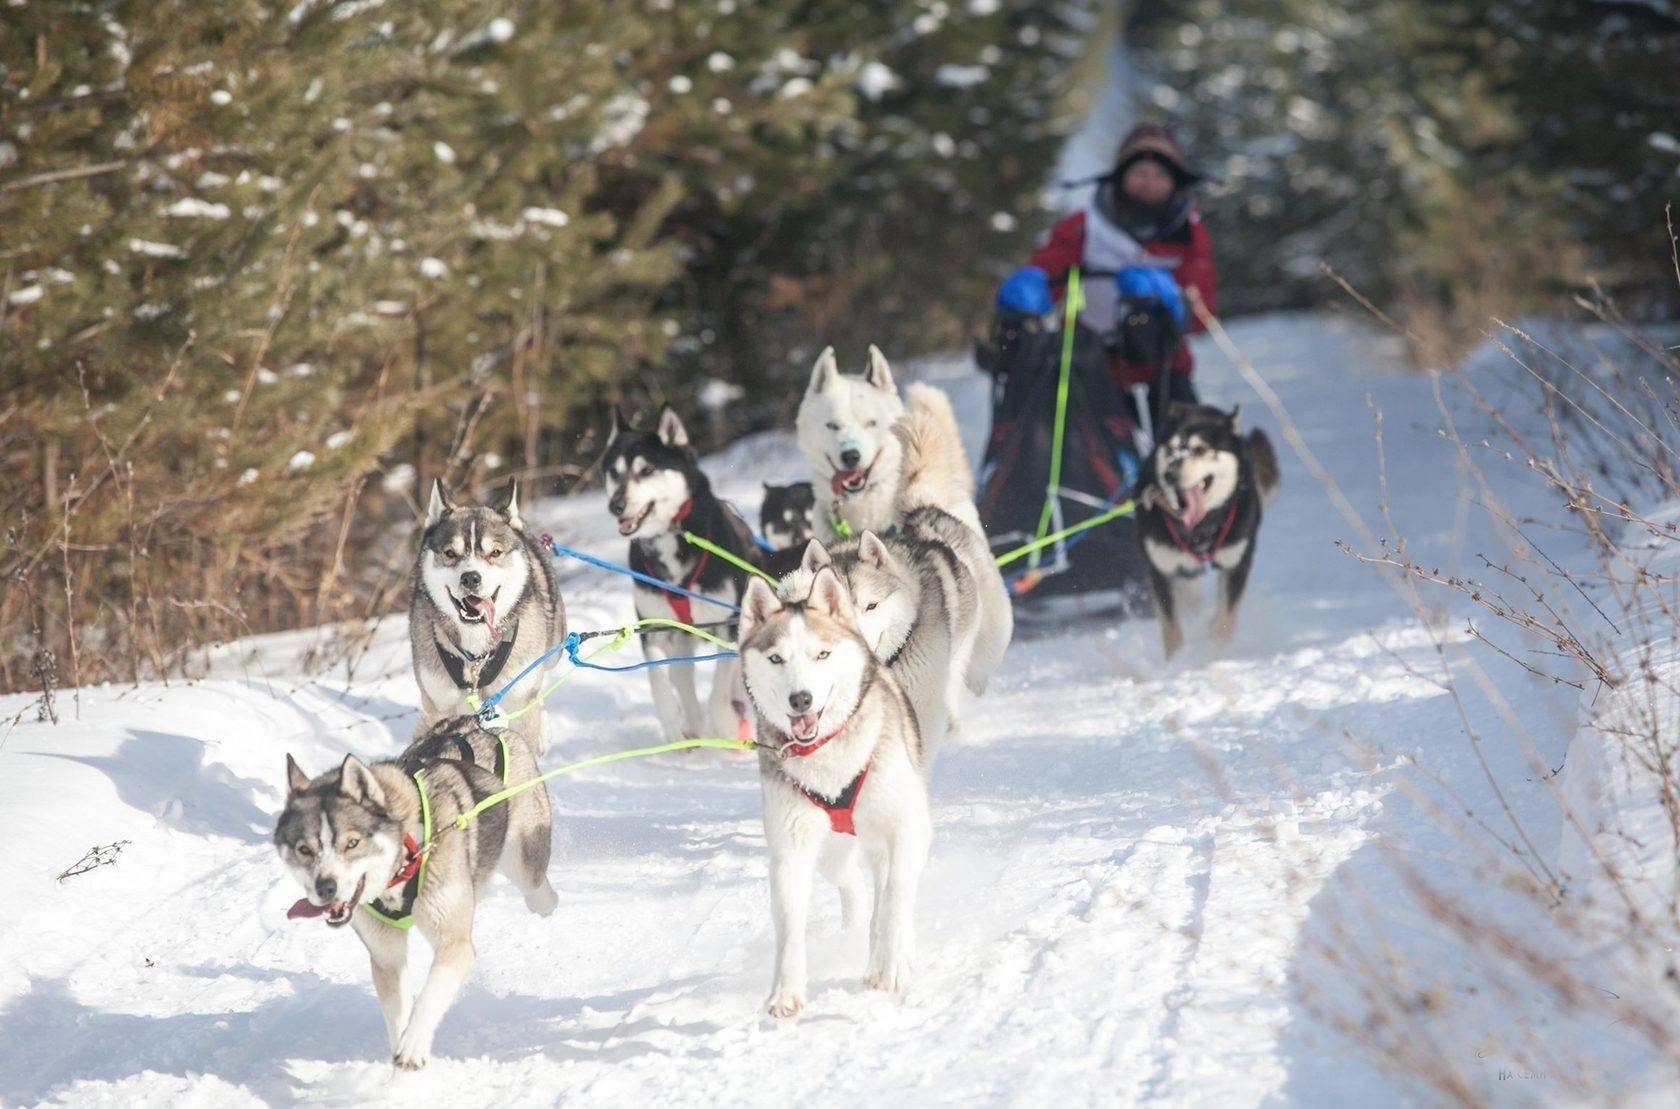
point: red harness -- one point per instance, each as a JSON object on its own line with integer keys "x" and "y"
{"x": 1204, "y": 557}
{"x": 840, "y": 809}
{"x": 682, "y": 605}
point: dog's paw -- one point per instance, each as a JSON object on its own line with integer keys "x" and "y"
{"x": 543, "y": 901}
{"x": 412, "y": 1051}
{"x": 890, "y": 975}
{"x": 785, "y": 1002}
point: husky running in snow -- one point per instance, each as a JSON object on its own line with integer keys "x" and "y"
{"x": 844, "y": 430}
{"x": 352, "y": 836}
{"x": 840, "y": 769}
{"x": 656, "y": 489}
{"x": 482, "y": 606}
{"x": 1199, "y": 506}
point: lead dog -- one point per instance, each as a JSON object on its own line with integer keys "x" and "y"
{"x": 840, "y": 758}
{"x": 483, "y": 605}
{"x": 1199, "y": 503}
{"x": 352, "y": 837}
{"x": 657, "y": 491}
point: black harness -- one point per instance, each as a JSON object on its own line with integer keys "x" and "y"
{"x": 489, "y": 666}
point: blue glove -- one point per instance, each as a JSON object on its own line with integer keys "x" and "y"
{"x": 1026, "y": 290}
{"x": 1151, "y": 285}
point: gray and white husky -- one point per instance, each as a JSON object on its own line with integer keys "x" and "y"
{"x": 840, "y": 770}
{"x": 352, "y": 838}
{"x": 845, "y": 431}
{"x": 483, "y": 605}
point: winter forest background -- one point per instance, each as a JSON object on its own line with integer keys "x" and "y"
{"x": 266, "y": 268}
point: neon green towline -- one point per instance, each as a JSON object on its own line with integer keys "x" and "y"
{"x": 1075, "y": 300}
{"x": 728, "y": 556}
{"x": 1121, "y": 509}
{"x": 599, "y": 760}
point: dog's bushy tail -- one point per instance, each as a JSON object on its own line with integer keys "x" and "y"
{"x": 1262, "y": 462}
{"x": 936, "y": 469}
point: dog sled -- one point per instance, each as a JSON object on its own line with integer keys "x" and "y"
{"x": 1064, "y": 448}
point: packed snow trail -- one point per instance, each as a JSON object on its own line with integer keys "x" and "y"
{"x": 1125, "y": 851}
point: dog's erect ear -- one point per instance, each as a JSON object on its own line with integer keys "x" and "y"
{"x": 619, "y": 426}
{"x": 671, "y": 430}
{"x": 439, "y": 503}
{"x": 357, "y": 782}
{"x": 1236, "y": 410}
{"x": 757, "y": 606}
{"x": 296, "y": 780}
{"x": 829, "y": 596}
{"x": 879, "y": 373}
{"x": 824, "y": 372}
{"x": 816, "y": 557}
{"x": 872, "y": 550}
{"x": 507, "y": 503}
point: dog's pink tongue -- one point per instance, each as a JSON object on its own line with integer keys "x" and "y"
{"x": 1194, "y": 500}
{"x": 839, "y": 480}
{"x": 486, "y": 608}
{"x": 804, "y": 726}
{"x": 305, "y": 908}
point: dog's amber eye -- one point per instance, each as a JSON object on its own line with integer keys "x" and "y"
{"x": 775, "y": 660}
{"x": 304, "y": 851}
{"x": 352, "y": 842}
{"x": 494, "y": 554}
{"x": 832, "y": 426}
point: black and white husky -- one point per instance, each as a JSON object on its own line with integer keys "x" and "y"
{"x": 784, "y": 516}
{"x": 656, "y": 490}
{"x": 483, "y": 605}
{"x": 1199, "y": 503}
{"x": 840, "y": 769}
{"x": 353, "y": 839}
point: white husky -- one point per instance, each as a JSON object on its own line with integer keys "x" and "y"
{"x": 840, "y": 770}
{"x": 845, "y": 432}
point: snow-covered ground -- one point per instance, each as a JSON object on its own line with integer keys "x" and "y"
{"x": 1136, "y": 865}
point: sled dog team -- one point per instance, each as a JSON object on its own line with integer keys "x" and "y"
{"x": 851, "y": 673}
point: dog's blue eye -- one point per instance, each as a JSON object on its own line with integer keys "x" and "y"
{"x": 353, "y": 842}
{"x": 871, "y": 606}
{"x": 775, "y": 660}
{"x": 822, "y": 655}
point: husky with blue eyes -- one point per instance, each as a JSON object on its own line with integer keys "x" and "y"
{"x": 840, "y": 766}
{"x": 484, "y": 604}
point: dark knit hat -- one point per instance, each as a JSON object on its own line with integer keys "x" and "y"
{"x": 1156, "y": 141}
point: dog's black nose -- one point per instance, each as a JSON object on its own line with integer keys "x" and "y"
{"x": 799, "y": 702}
{"x": 616, "y": 504}
{"x": 325, "y": 888}
{"x": 850, "y": 458}
{"x": 471, "y": 580}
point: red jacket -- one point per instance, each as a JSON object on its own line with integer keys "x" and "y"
{"x": 1189, "y": 244}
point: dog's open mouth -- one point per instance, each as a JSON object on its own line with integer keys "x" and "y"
{"x": 473, "y": 609}
{"x": 338, "y": 913}
{"x": 845, "y": 483}
{"x": 627, "y": 525}
{"x": 803, "y": 727}
{"x": 1193, "y": 502}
